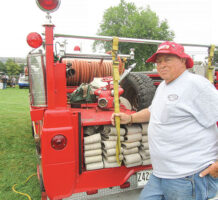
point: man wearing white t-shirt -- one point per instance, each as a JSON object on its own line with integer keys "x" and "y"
{"x": 182, "y": 131}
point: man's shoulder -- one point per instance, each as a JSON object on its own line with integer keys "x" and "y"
{"x": 197, "y": 80}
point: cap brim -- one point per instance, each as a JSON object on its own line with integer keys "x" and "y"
{"x": 189, "y": 61}
{"x": 153, "y": 57}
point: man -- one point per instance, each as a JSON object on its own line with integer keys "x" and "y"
{"x": 13, "y": 82}
{"x": 182, "y": 131}
{"x": 4, "y": 81}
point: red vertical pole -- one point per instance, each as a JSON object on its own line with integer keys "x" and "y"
{"x": 216, "y": 80}
{"x": 50, "y": 66}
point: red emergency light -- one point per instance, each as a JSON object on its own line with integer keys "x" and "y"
{"x": 34, "y": 40}
{"x": 76, "y": 48}
{"x": 58, "y": 142}
{"x": 48, "y": 5}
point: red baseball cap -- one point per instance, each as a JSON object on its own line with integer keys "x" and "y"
{"x": 172, "y": 48}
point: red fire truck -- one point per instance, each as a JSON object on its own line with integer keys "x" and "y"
{"x": 67, "y": 111}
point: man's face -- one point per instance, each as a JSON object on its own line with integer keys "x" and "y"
{"x": 170, "y": 66}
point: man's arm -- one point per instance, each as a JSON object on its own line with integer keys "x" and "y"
{"x": 141, "y": 116}
{"x": 138, "y": 117}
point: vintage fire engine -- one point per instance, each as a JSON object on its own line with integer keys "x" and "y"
{"x": 81, "y": 155}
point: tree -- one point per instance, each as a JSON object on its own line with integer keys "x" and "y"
{"x": 126, "y": 20}
{"x": 12, "y": 67}
{"x": 215, "y": 59}
{"x": 22, "y": 66}
{"x": 2, "y": 67}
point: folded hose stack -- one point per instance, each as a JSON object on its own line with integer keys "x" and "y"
{"x": 100, "y": 146}
{"x": 109, "y": 141}
{"x": 144, "y": 148}
{"x": 93, "y": 152}
{"x": 131, "y": 144}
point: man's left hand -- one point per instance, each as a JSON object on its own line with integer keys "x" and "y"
{"x": 212, "y": 170}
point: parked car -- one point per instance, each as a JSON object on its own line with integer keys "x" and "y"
{"x": 23, "y": 81}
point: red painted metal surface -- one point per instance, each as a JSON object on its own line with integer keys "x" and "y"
{"x": 216, "y": 81}
{"x": 96, "y": 116}
{"x": 60, "y": 167}
{"x": 105, "y": 94}
{"x": 155, "y": 77}
{"x": 36, "y": 113}
{"x": 105, "y": 178}
{"x": 60, "y": 89}
{"x": 50, "y": 78}
{"x": 71, "y": 89}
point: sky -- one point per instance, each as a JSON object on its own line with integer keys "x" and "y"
{"x": 193, "y": 21}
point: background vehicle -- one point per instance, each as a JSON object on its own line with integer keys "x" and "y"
{"x": 23, "y": 81}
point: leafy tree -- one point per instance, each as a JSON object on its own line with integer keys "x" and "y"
{"x": 215, "y": 59}
{"x": 12, "y": 67}
{"x": 2, "y": 67}
{"x": 22, "y": 68}
{"x": 126, "y": 20}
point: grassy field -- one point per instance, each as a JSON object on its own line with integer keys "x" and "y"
{"x": 17, "y": 149}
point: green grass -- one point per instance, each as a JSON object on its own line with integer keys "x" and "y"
{"x": 17, "y": 149}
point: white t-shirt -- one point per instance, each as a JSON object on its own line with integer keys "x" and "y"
{"x": 182, "y": 132}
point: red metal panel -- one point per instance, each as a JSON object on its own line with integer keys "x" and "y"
{"x": 60, "y": 85}
{"x": 216, "y": 81}
{"x": 60, "y": 167}
{"x": 36, "y": 114}
{"x": 71, "y": 89}
{"x": 95, "y": 116}
{"x": 105, "y": 178}
{"x": 154, "y": 75}
{"x": 60, "y": 180}
{"x": 49, "y": 66}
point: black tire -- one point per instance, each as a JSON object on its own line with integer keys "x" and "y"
{"x": 139, "y": 90}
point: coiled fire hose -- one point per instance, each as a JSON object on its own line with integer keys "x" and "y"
{"x": 84, "y": 71}
{"x": 116, "y": 78}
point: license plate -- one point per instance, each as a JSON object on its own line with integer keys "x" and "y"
{"x": 143, "y": 177}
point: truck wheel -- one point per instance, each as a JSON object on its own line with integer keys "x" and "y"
{"x": 139, "y": 90}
